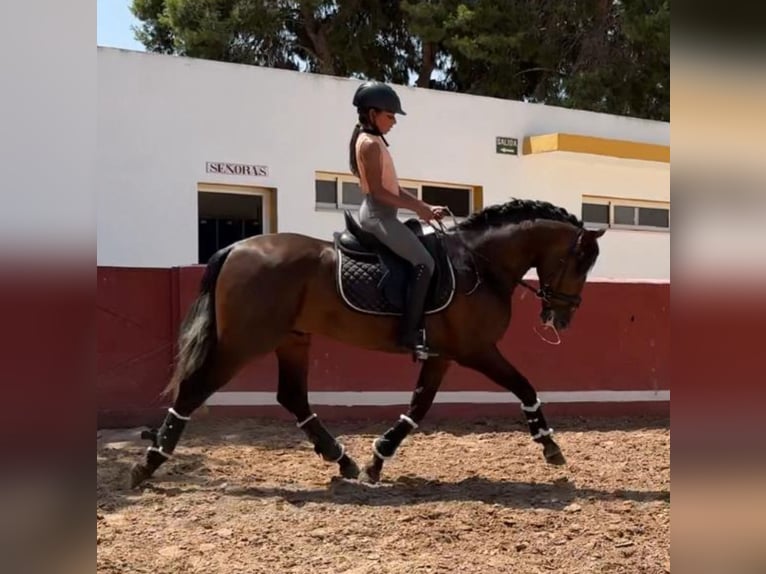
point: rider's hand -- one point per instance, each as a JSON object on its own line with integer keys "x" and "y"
{"x": 426, "y": 212}
{"x": 429, "y": 212}
{"x": 439, "y": 212}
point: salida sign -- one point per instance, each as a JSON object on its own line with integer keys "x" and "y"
{"x": 224, "y": 168}
{"x": 507, "y": 145}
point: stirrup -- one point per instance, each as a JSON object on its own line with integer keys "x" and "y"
{"x": 421, "y": 351}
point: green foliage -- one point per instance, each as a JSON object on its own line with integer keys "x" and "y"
{"x": 602, "y": 55}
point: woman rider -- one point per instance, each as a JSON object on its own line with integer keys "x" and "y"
{"x": 377, "y": 105}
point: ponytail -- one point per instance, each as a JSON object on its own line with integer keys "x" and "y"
{"x": 352, "y": 149}
{"x": 362, "y": 125}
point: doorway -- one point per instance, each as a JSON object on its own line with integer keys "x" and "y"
{"x": 227, "y": 215}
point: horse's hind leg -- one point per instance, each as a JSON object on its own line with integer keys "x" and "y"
{"x": 293, "y": 359}
{"x": 193, "y": 391}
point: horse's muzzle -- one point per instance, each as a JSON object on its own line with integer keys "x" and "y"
{"x": 556, "y": 317}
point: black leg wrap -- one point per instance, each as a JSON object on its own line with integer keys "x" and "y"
{"x": 324, "y": 443}
{"x": 538, "y": 426}
{"x": 154, "y": 459}
{"x": 165, "y": 439}
{"x": 386, "y": 445}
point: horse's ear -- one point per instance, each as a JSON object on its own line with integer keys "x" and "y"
{"x": 596, "y": 233}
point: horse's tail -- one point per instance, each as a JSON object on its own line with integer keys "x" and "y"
{"x": 197, "y": 336}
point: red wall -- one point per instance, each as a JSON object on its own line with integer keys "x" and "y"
{"x": 134, "y": 348}
{"x": 619, "y": 340}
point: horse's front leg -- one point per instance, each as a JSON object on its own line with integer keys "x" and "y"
{"x": 491, "y": 363}
{"x": 430, "y": 378}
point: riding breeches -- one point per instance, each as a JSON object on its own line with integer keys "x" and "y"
{"x": 398, "y": 238}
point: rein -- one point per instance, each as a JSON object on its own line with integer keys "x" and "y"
{"x": 441, "y": 230}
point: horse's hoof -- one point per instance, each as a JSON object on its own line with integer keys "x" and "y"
{"x": 348, "y": 468}
{"x": 138, "y": 474}
{"x": 553, "y": 455}
{"x": 556, "y": 459}
{"x": 369, "y": 476}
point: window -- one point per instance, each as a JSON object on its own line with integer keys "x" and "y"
{"x": 625, "y": 213}
{"x": 595, "y": 213}
{"x": 326, "y": 191}
{"x": 351, "y": 193}
{"x": 652, "y": 216}
{"x": 336, "y": 191}
{"x": 457, "y": 199}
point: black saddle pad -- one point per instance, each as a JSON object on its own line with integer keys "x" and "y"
{"x": 376, "y": 282}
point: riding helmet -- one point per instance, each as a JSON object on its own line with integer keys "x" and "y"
{"x": 373, "y": 94}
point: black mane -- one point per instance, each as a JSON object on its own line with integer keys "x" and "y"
{"x": 516, "y": 211}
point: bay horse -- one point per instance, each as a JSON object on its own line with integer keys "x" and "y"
{"x": 270, "y": 293}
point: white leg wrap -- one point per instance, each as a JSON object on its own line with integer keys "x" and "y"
{"x": 409, "y": 421}
{"x": 543, "y": 432}
{"x": 173, "y": 412}
{"x": 380, "y": 456}
{"x": 533, "y": 408}
{"x": 302, "y": 424}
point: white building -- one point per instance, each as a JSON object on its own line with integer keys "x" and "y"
{"x": 192, "y": 154}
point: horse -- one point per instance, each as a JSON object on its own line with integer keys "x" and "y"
{"x": 271, "y": 293}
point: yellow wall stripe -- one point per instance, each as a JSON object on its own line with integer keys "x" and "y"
{"x": 598, "y": 146}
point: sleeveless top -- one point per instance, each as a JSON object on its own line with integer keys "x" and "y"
{"x": 390, "y": 181}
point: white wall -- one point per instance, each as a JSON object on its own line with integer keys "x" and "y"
{"x": 161, "y": 118}
{"x": 564, "y": 178}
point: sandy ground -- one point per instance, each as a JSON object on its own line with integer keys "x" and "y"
{"x": 250, "y": 496}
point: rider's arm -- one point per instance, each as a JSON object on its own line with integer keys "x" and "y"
{"x": 403, "y": 191}
{"x": 369, "y": 154}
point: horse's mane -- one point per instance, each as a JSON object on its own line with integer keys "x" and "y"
{"x": 516, "y": 211}
{"x": 520, "y": 210}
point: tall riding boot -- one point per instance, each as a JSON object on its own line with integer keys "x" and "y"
{"x": 413, "y": 313}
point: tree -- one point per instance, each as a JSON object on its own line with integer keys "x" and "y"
{"x": 344, "y": 37}
{"x": 602, "y": 55}
{"x": 429, "y": 23}
{"x": 626, "y": 68}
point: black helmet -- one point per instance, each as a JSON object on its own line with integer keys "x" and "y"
{"x": 378, "y": 95}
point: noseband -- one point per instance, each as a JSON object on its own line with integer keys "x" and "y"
{"x": 547, "y": 291}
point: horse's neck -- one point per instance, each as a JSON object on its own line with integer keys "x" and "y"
{"x": 506, "y": 254}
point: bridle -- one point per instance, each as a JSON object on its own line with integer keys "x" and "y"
{"x": 548, "y": 290}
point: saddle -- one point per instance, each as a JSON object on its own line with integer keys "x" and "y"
{"x": 372, "y": 279}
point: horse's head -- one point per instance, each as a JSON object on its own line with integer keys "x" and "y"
{"x": 524, "y": 233}
{"x": 562, "y": 269}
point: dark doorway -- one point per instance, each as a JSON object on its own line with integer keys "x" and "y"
{"x": 225, "y": 218}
